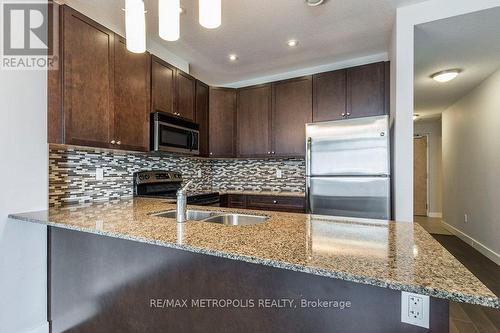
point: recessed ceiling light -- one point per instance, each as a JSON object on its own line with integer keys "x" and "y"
{"x": 314, "y": 3}
{"x": 292, "y": 42}
{"x": 446, "y": 76}
{"x": 233, "y": 57}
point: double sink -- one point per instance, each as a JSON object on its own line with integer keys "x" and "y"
{"x": 215, "y": 217}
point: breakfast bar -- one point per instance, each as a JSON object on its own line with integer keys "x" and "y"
{"x": 131, "y": 261}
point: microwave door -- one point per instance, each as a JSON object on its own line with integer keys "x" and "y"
{"x": 174, "y": 139}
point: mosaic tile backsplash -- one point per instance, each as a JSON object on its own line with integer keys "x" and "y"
{"x": 72, "y": 173}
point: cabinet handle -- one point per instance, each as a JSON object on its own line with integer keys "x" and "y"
{"x": 273, "y": 153}
{"x": 113, "y": 142}
{"x": 211, "y": 154}
{"x": 119, "y": 143}
{"x": 275, "y": 202}
{"x": 268, "y": 153}
{"x": 348, "y": 114}
{"x": 343, "y": 115}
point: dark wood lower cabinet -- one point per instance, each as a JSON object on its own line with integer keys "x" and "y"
{"x": 103, "y": 284}
{"x": 290, "y": 204}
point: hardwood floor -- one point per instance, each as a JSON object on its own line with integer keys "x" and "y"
{"x": 466, "y": 318}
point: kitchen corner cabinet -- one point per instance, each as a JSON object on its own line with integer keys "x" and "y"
{"x": 254, "y": 121}
{"x": 222, "y": 121}
{"x": 132, "y": 98}
{"x": 185, "y": 87}
{"x": 292, "y": 109}
{"x": 88, "y": 81}
{"x": 201, "y": 115}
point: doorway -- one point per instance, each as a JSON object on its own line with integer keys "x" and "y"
{"x": 420, "y": 176}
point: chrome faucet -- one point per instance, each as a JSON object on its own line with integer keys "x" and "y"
{"x": 182, "y": 202}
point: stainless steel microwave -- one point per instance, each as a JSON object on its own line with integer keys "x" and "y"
{"x": 174, "y": 135}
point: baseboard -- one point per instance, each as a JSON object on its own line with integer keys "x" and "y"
{"x": 43, "y": 328}
{"x": 487, "y": 252}
{"x": 436, "y": 214}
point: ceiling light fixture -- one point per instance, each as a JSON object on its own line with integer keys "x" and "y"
{"x": 210, "y": 13}
{"x": 292, "y": 42}
{"x": 314, "y": 3}
{"x": 415, "y": 116}
{"x": 445, "y": 76}
{"x": 135, "y": 26}
{"x": 233, "y": 57}
{"x": 169, "y": 23}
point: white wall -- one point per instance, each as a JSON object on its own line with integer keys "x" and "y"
{"x": 471, "y": 164}
{"x": 432, "y": 128}
{"x": 24, "y": 170}
{"x": 402, "y": 47}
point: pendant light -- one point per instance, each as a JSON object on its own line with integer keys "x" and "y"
{"x": 169, "y": 19}
{"x": 135, "y": 26}
{"x": 210, "y": 13}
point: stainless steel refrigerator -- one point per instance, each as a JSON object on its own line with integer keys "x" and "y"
{"x": 348, "y": 168}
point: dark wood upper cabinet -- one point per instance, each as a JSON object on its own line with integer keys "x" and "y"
{"x": 132, "y": 93}
{"x": 222, "y": 121}
{"x": 88, "y": 68}
{"x": 201, "y": 116}
{"x": 366, "y": 90}
{"x": 292, "y": 109}
{"x": 185, "y": 95}
{"x": 163, "y": 77}
{"x": 254, "y": 121}
{"x": 330, "y": 96}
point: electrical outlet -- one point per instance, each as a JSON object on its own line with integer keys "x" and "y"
{"x": 99, "y": 174}
{"x": 279, "y": 174}
{"x": 466, "y": 218}
{"x": 199, "y": 173}
{"x": 415, "y": 309}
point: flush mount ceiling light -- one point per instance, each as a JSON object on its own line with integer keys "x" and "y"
{"x": 169, "y": 22}
{"x": 135, "y": 26}
{"x": 210, "y": 13}
{"x": 445, "y": 76}
{"x": 415, "y": 116}
{"x": 233, "y": 57}
{"x": 314, "y": 3}
{"x": 292, "y": 42}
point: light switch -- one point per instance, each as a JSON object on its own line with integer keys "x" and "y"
{"x": 99, "y": 174}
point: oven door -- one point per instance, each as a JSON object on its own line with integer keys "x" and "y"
{"x": 175, "y": 139}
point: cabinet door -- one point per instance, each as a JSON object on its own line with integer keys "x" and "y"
{"x": 366, "y": 90}
{"x": 132, "y": 93}
{"x": 88, "y": 81}
{"x": 329, "y": 96}
{"x": 202, "y": 115}
{"x": 292, "y": 109}
{"x": 186, "y": 95}
{"x": 222, "y": 119}
{"x": 162, "y": 86}
{"x": 253, "y": 121}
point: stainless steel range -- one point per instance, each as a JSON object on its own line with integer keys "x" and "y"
{"x": 164, "y": 184}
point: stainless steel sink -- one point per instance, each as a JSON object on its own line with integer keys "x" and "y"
{"x": 215, "y": 217}
{"x": 196, "y": 215}
{"x": 236, "y": 219}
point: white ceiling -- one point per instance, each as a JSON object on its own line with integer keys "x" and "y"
{"x": 470, "y": 42}
{"x": 257, "y": 30}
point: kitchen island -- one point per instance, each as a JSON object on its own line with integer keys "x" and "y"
{"x": 116, "y": 265}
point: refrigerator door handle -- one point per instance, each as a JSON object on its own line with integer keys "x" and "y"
{"x": 308, "y": 198}
{"x": 308, "y": 156}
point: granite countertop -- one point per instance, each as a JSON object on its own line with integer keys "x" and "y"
{"x": 388, "y": 254}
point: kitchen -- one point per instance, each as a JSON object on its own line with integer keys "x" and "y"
{"x": 125, "y": 127}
